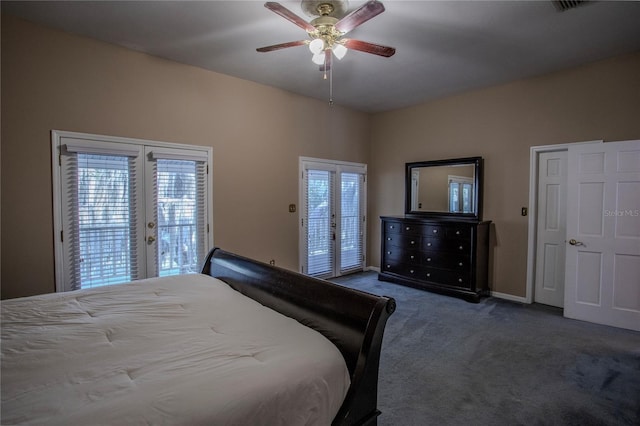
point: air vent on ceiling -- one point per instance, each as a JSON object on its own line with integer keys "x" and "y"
{"x": 563, "y": 5}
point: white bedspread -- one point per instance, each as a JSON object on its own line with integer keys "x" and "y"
{"x": 183, "y": 350}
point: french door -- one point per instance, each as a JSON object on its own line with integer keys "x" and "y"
{"x": 128, "y": 209}
{"x": 332, "y": 238}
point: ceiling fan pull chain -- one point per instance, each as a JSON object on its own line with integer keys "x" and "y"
{"x": 330, "y": 86}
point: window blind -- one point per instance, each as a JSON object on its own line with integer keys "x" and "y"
{"x": 102, "y": 219}
{"x": 180, "y": 212}
{"x": 352, "y": 222}
{"x": 320, "y": 222}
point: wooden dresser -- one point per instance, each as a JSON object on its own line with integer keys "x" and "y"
{"x": 444, "y": 255}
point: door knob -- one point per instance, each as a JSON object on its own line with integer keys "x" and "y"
{"x": 575, "y": 243}
{"x": 150, "y": 239}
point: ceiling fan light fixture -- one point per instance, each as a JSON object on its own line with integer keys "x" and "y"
{"x": 316, "y": 46}
{"x": 339, "y": 50}
{"x": 318, "y": 58}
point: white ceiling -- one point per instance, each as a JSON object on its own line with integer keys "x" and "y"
{"x": 443, "y": 47}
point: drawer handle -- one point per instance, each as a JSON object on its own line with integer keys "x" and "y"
{"x": 390, "y": 253}
{"x": 408, "y": 228}
{"x": 457, "y": 232}
{"x": 428, "y": 274}
{"x": 435, "y": 231}
{"x": 388, "y": 266}
{"x": 412, "y": 257}
{"x": 428, "y": 259}
{"x": 413, "y": 242}
{"x": 428, "y": 244}
{"x": 388, "y": 238}
{"x": 460, "y": 264}
{"x": 460, "y": 247}
{"x": 459, "y": 280}
{"x": 411, "y": 271}
{"x": 391, "y": 226}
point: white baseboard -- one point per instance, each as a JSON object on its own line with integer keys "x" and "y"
{"x": 509, "y": 297}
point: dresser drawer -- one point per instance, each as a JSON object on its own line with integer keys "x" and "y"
{"x": 399, "y": 268}
{"x": 459, "y": 231}
{"x": 443, "y": 276}
{"x": 434, "y": 231}
{"x": 412, "y": 229}
{"x": 393, "y": 227}
{"x": 402, "y": 240}
{"x": 399, "y": 254}
{"x": 446, "y": 245}
{"x": 442, "y": 260}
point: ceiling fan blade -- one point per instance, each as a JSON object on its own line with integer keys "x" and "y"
{"x": 282, "y": 46}
{"x": 359, "y": 16}
{"x": 367, "y": 47}
{"x": 289, "y": 15}
{"x": 327, "y": 60}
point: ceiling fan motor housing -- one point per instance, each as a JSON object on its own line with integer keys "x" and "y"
{"x": 325, "y": 30}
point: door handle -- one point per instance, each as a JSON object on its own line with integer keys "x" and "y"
{"x": 575, "y": 243}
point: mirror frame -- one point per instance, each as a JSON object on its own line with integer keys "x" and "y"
{"x": 477, "y": 162}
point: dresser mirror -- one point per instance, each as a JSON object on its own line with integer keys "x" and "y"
{"x": 444, "y": 188}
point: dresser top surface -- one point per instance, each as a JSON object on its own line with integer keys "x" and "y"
{"x": 435, "y": 220}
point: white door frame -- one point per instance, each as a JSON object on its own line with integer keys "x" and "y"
{"x": 534, "y": 156}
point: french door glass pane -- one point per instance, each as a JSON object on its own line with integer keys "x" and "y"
{"x": 104, "y": 224}
{"x": 351, "y": 234}
{"x": 319, "y": 230}
{"x": 454, "y": 192}
{"x": 177, "y": 209}
{"x": 466, "y": 197}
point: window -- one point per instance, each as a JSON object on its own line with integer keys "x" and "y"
{"x": 128, "y": 209}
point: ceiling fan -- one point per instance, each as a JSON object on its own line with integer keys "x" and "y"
{"x": 326, "y": 31}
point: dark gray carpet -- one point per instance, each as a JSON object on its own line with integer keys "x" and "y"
{"x": 449, "y": 362}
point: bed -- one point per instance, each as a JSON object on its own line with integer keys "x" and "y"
{"x": 243, "y": 343}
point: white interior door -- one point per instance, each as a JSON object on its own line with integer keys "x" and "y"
{"x": 551, "y": 228}
{"x": 602, "y": 281}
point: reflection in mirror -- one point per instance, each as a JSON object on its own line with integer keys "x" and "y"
{"x": 445, "y": 188}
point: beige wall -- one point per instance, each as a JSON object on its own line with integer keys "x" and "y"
{"x": 53, "y": 80}
{"x": 597, "y": 101}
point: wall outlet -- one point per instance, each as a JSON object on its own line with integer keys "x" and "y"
{"x": 524, "y": 211}
{"x": 292, "y": 208}
{"x": 272, "y": 262}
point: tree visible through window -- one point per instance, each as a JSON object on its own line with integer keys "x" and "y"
{"x": 104, "y": 221}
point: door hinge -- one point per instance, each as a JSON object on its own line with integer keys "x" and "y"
{"x": 207, "y": 169}
{"x": 61, "y": 236}
{"x": 207, "y": 228}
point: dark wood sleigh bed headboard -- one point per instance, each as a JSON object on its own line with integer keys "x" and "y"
{"x": 353, "y": 320}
